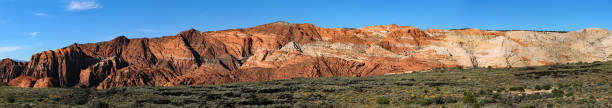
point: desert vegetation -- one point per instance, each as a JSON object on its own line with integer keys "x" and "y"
{"x": 552, "y": 86}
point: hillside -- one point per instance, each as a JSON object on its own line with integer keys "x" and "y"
{"x": 284, "y": 50}
{"x": 579, "y": 85}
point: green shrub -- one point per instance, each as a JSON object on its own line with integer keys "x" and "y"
{"x": 252, "y": 99}
{"x": 469, "y": 97}
{"x": 78, "y": 96}
{"x": 483, "y": 92}
{"x": 450, "y": 100}
{"x": 437, "y": 100}
{"x": 10, "y": 99}
{"x": 383, "y": 100}
{"x": 500, "y": 89}
{"x": 569, "y": 94}
{"x": 97, "y": 104}
{"x": 530, "y": 106}
{"x": 424, "y": 102}
{"x": 537, "y": 87}
{"x": 518, "y": 88}
{"x": 478, "y": 105}
{"x": 488, "y": 100}
{"x": 496, "y": 96}
{"x": 561, "y": 86}
{"x": 546, "y": 87}
{"x": 557, "y": 93}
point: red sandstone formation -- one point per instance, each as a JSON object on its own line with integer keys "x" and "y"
{"x": 10, "y": 69}
{"x": 268, "y": 52}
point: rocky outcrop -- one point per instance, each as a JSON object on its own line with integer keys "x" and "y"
{"x": 23, "y": 81}
{"x": 94, "y": 74}
{"x": 10, "y": 69}
{"x": 284, "y": 50}
{"x": 62, "y": 65}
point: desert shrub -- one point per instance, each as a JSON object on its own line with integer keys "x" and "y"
{"x": 518, "y": 88}
{"x": 569, "y": 94}
{"x": 469, "y": 97}
{"x": 420, "y": 102}
{"x": 577, "y": 84}
{"x": 112, "y": 91}
{"x": 252, "y": 99}
{"x": 529, "y": 106}
{"x": 557, "y": 93}
{"x": 533, "y": 97}
{"x": 442, "y": 70}
{"x": 77, "y": 96}
{"x": 538, "y": 87}
{"x": 437, "y": 100}
{"x": 424, "y": 102}
{"x": 495, "y": 96}
{"x": 546, "y": 87}
{"x": 10, "y": 99}
{"x": 500, "y": 89}
{"x": 528, "y": 68}
{"x": 483, "y": 92}
{"x": 488, "y": 100}
{"x": 450, "y": 100}
{"x": 285, "y": 96}
{"x": 459, "y": 67}
{"x": 478, "y": 105}
{"x": 561, "y": 86}
{"x": 383, "y": 100}
{"x": 97, "y": 104}
{"x": 587, "y": 101}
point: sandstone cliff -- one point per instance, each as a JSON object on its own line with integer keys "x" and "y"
{"x": 284, "y": 50}
{"x": 10, "y": 69}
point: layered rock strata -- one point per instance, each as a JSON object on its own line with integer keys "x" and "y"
{"x": 284, "y": 50}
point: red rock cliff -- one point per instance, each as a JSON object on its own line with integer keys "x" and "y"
{"x": 269, "y": 52}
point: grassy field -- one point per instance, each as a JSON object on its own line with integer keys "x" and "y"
{"x": 562, "y": 85}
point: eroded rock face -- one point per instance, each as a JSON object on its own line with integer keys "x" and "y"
{"x": 284, "y": 50}
{"x": 10, "y": 69}
{"x": 63, "y": 65}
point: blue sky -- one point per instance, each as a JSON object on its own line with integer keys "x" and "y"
{"x": 31, "y": 26}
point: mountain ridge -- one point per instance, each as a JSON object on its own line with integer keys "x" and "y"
{"x": 261, "y": 53}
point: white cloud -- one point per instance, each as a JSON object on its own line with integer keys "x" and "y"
{"x": 5, "y": 49}
{"x": 33, "y": 34}
{"x": 78, "y": 5}
{"x": 40, "y": 14}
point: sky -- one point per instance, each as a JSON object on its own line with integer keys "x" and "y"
{"x": 31, "y": 26}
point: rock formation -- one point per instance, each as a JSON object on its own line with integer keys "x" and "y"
{"x": 284, "y": 50}
{"x": 10, "y": 69}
